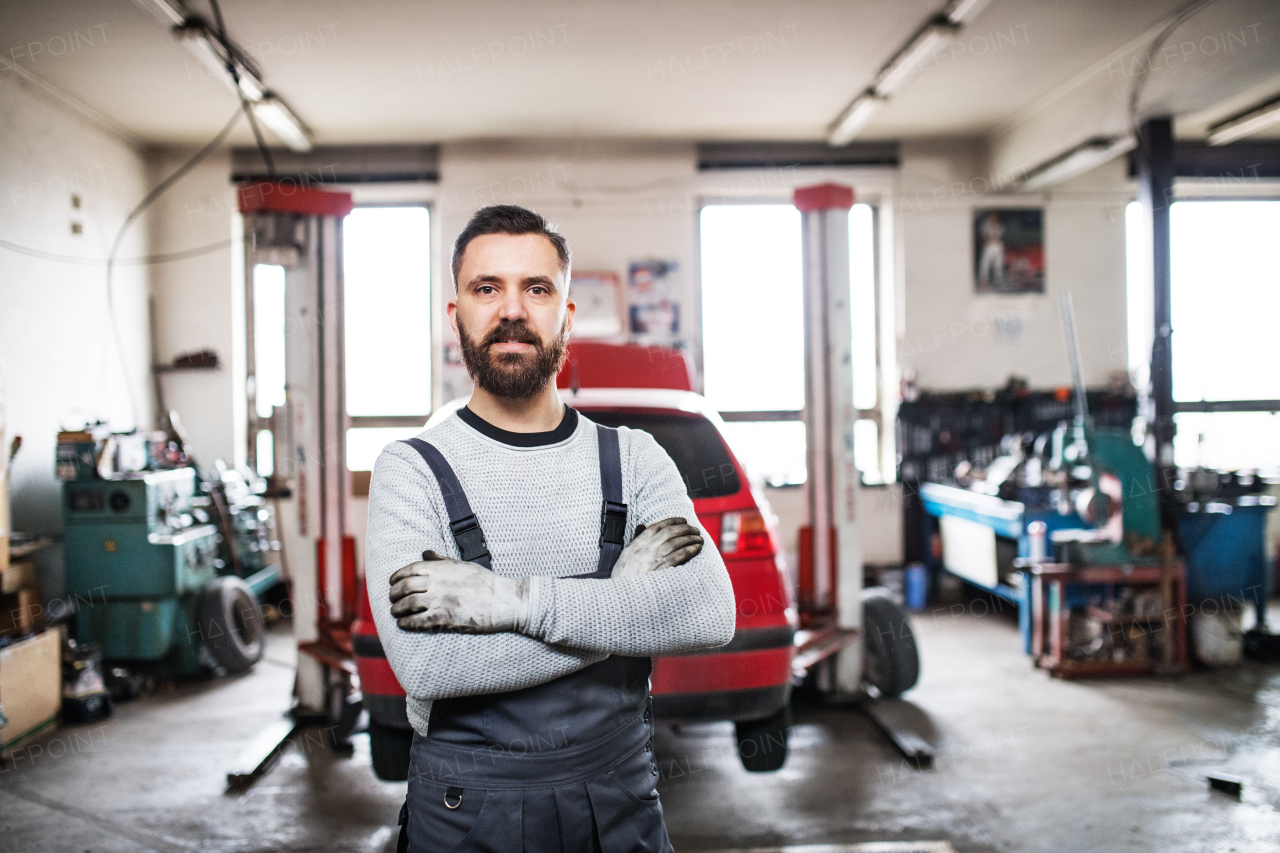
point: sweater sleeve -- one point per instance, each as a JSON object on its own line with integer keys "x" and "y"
{"x": 671, "y": 610}
{"x": 406, "y": 516}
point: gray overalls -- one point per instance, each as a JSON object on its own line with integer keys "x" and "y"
{"x": 562, "y": 767}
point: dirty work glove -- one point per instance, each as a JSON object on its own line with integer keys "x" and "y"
{"x": 440, "y": 594}
{"x": 670, "y": 542}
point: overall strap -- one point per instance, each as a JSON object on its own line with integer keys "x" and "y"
{"x": 462, "y": 521}
{"x": 613, "y": 514}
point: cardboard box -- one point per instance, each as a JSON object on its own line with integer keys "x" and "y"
{"x": 20, "y": 611}
{"x": 30, "y": 688}
{"x": 19, "y": 575}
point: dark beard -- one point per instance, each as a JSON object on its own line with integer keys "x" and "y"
{"x": 513, "y": 375}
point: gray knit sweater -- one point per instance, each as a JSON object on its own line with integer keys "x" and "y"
{"x": 539, "y": 508}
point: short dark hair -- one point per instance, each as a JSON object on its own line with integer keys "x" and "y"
{"x": 507, "y": 219}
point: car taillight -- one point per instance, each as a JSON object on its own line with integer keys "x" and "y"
{"x": 744, "y": 534}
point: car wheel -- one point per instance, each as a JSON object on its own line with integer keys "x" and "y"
{"x": 231, "y": 623}
{"x": 344, "y": 709}
{"x": 892, "y": 660}
{"x": 762, "y": 744}
{"x": 389, "y": 747}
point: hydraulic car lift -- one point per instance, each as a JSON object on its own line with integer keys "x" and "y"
{"x": 300, "y": 228}
{"x": 831, "y": 595}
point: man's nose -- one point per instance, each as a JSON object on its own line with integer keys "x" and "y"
{"x": 512, "y": 306}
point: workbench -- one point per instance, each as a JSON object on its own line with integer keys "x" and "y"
{"x": 1056, "y": 589}
{"x": 984, "y": 539}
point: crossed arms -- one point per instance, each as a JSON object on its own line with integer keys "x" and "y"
{"x": 463, "y": 630}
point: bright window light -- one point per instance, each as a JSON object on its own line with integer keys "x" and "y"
{"x": 1227, "y": 441}
{"x": 862, "y": 303}
{"x": 753, "y": 331}
{"x": 265, "y": 455}
{"x": 1225, "y": 292}
{"x": 387, "y": 291}
{"x": 866, "y": 449}
{"x": 773, "y": 452}
{"x": 366, "y": 443}
{"x": 268, "y": 337}
{"x": 1225, "y": 299}
{"x": 752, "y": 309}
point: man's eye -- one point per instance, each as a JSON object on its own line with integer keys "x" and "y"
{"x": 540, "y": 290}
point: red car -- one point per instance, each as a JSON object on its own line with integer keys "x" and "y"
{"x": 749, "y": 680}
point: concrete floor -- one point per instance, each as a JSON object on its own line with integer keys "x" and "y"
{"x": 1024, "y": 763}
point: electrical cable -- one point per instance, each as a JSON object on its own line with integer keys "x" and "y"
{"x": 1176, "y": 20}
{"x": 144, "y": 260}
{"x": 146, "y": 202}
{"x": 235, "y": 78}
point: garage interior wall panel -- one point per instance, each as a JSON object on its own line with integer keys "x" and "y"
{"x": 954, "y": 338}
{"x": 200, "y": 302}
{"x": 60, "y": 358}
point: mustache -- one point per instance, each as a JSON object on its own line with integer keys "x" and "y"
{"x": 514, "y": 331}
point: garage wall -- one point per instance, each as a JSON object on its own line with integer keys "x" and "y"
{"x": 200, "y": 301}
{"x": 58, "y": 354}
{"x": 954, "y": 338}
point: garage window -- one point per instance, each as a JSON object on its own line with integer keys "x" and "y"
{"x": 1225, "y": 294}
{"x": 387, "y": 303}
{"x": 268, "y": 357}
{"x": 753, "y": 335}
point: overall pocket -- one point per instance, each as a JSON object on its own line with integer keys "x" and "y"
{"x": 434, "y": 827}
{"x": 625, "y": 804}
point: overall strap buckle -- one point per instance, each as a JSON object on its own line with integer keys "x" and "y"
{"x": 613, "y": 523}
{"x": 470, "y": 538}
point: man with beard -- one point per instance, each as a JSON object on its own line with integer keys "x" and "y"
{"x": 523, "y": 566}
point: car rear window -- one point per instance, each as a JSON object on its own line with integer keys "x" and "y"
{"x": 692, "y": 442}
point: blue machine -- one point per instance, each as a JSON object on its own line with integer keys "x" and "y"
{"x": 987, "y": 540}
{"x": 143, "y": 572}
{"x": 1222, "y": 524}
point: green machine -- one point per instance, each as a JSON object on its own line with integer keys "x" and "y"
{"x": 142, "y": 570}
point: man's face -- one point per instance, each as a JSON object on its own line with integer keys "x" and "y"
{"x": 512, "y": 314}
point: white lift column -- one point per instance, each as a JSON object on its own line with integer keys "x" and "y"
{"x": 302, "y": 229}
{"x": 830, "y": 416}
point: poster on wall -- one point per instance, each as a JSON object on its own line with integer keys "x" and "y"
{"x": 653, "y": 298}
{"x": 598, "y": 295}
{"x": 1008, "y": 250}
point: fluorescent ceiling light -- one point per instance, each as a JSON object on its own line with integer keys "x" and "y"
{"x": 1075, "y": 161}
{"x": 195, "y": 40}
{"x": 908, "y": 60}
{"x": 898, "y": 70}
{"x": 1245, "y": 124}
{"x": 958, "y": 10}
{"x": 276, "y": 115}
{"x": 246, "y": 82}
{"x": 855, "y": 117}
{"x": 250, "y": 86}
{"x": 170, "y": 14}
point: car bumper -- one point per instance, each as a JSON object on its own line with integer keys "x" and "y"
{"x": 751, "y": 704}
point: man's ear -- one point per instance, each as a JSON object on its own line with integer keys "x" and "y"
{"x": 570, "y": 308}
{"x": 452, "y": 310}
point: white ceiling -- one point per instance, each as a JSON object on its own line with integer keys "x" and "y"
{"x": 402, "y": 71}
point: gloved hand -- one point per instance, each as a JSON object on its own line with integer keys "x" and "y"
{"x": 441, "y": 594}
{"x": 670, "y": 542}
